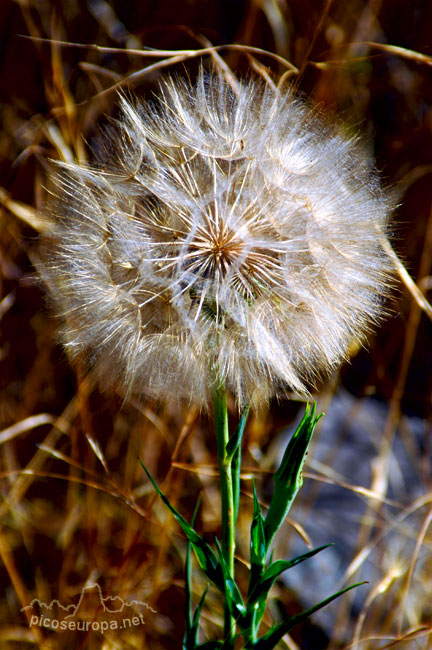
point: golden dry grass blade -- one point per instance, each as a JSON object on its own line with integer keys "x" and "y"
{"x": 26, "y": 425}
{"x": 403, "y": 52}
{"x": 181, "y": 55}
{"x": 367, "y": 61}
{"x": 26, "y": 213}
{"x": 416, "y": 293}
{"x": 8, "y": 560}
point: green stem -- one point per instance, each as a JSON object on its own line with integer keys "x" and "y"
{"x": 227, "y": 500}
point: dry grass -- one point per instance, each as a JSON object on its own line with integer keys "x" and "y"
{"x": 76, "y": 509}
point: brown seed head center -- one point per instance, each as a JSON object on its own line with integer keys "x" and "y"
{"x": 216, "y": 248}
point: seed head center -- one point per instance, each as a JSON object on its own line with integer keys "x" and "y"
{"x": 225, "y": 247}
{"x": 217, "y": 248}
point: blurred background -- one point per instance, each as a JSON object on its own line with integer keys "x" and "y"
{"x": 76, "y": 509}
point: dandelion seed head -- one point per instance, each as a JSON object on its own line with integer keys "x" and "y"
{"x": 224, "y": 234}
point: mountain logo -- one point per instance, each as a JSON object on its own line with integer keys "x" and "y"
{"x": 92, "y": 611}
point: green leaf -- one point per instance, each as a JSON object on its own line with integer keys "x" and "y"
{"x": 273, "y": 636}
{"x": 288, "y": 478}
{"x": 234, "y": 442}
{"x": 274, "y": 570}
{"x": 199, "y": 608}
{"x": 232, "y": 593}
{"x": 195, "y": 621}
{"x": 257, "y": 542}
{"x": 190, "y": 639}
{"x": 257, "y": 547}
{"x": 210, "y": 645}
{"x": 205, "y": 555}
{"x": 233, "y": 451}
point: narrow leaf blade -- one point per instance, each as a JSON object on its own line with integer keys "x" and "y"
{"x": 233, "y": 450}
{"x": 274, "y": 570}
{"x": 235, "y": 441}
{"x": 279, "y": 566}
{"x": 190, "y": 639}
{"x": 232, "y": 593}
{"x": 257, "y": 535}
{"x": 270, "y": 640}
{"x": 205, "y": 555}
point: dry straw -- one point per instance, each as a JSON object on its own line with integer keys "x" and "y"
{"x": 226, "y": 233}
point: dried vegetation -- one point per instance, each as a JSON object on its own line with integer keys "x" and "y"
{"x": 76, "y": 509}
